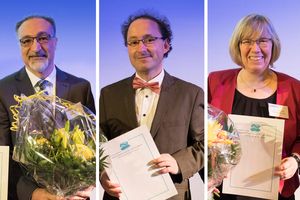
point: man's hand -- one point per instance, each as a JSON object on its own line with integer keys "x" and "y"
{"x": 43, "y": 194}
{"x": 113, "y": 189}
{"x": 40, "y": 193}
{"x": 82, "y": 194}
{"x": 166, "y": 163}
{"x": 287, "y": 168}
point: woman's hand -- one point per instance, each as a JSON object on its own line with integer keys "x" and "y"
{"x": 287, "y": 168}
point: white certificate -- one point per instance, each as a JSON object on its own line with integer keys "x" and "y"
{"x": 4, "y": 155}
{"x": 261, "y": 141}
{"x": 129, "y": 155}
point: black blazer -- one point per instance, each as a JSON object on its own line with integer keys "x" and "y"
{"x": 177, "y": 127}
{"x": 68, "y": 87}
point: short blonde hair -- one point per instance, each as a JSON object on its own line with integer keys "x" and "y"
{"x": 248, "y": 26}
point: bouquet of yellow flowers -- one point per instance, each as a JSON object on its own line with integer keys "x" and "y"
{"x": 224, "y": 149}
{"x": 55, "y": 143}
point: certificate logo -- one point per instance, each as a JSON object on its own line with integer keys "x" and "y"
{"x": 255, "y": 128}
{"x": 124, "y": 145}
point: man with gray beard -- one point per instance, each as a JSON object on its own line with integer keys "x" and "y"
{"x": 37, "y": 37}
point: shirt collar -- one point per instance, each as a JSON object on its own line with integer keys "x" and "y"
{"x": 34, "y": 79}
{"x": 159, "y": 78}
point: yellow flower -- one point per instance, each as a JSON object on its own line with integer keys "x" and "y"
{"x": 61, "y": 137}
{"x": 78, "y": 136}
{"x": 83, "y": 151}
{"x": 213, "y": 128}
{"x": 216, "y": 134}
{"x": 42, "y": 141}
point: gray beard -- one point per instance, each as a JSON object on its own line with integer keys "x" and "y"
{"x": 39, "y": 66}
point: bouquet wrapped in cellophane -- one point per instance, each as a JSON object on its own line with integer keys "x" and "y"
{"x": 224, "y": 149}
{"x": 55, "y": 143}
{"x": 103, "y": 162}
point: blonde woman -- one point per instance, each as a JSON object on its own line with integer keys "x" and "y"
{"x": 247, "y": 90}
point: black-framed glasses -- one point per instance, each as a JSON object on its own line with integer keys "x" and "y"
{"x": 43, "y": 38}
{"x": 146, "y": 41}
{"x": 261, "y": 42}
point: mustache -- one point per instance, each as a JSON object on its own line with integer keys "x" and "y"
{"x": 38, "y": 54}
{"x": 142, "y": 54}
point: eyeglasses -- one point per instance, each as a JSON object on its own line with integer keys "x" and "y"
{"x": 261, "y": 42}
{"x": 27, "y": 41}
{"x": 146, "y": 41}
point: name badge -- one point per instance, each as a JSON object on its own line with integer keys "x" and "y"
{"x": 278, "y": 111}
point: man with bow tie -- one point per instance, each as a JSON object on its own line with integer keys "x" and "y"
{"x": 171, "y": 108}
{"x": 37, "y": 38}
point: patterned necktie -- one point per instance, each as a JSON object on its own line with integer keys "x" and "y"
{"x": 42, "y": 85}
{"x": 138, "y": 83}
{"x": 49, "y": 120}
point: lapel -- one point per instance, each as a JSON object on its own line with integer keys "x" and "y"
{"x": 129, "y": 102}
{"x": 224, "y": 95}
{"x": 62, "y": 86}
{"x": 228, "y": 95}
{"x": 23, "y": 83}
{"x": 282, "y": 89}
{"x": 163, "y": 102}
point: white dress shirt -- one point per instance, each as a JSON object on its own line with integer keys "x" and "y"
{"x": 146, "y": 101}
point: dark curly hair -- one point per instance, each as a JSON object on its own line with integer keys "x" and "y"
{"x": 162, "y": 22}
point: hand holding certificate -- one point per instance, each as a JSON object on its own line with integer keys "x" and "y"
{"x": 129, "y": 157}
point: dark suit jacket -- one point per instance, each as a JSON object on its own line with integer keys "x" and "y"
{"x": 177, "y": 127}
{"x": 68, "y": 87}
{"x": 221, "y": 89}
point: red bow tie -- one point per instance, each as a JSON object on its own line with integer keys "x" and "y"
{"x": 138, "y": 83}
